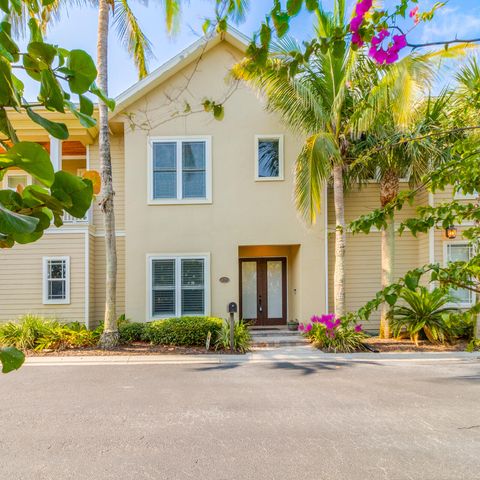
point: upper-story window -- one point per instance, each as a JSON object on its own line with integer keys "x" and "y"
{"x": 459, "y": 195}
{"x": 180, "y": 170}
{"x": 269, "y": 157}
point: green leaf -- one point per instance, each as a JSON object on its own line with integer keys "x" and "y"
{"x": 84, "y": 71}
{"x": 42, "y": 51}
{"x": 7, "y": 42}
{"x": 86, "y": 105}
{"x": 12, "y": 223}
{"x": 35, "y": 31}
{"x": 85, "y": 120}
{"x": 294, "y": 6}
{"x": 109, "y": 102}
{"x": 32, "y": 67}
{"x": 8, "y": 97}
{"x": 218, "y": 112}
{"x": 57, "y": 130}
{"x": 73, "y": 192}
{"x": 391, "y": 299}
{"x": 311, "y": 5}
{"x": 32, "y": 158}
{"x": 11, "y": 358}
{"x": 51, "y": 93}
{"x": 411, "y": 280}
{"x": 4, "y": 6}
{"x": 6, "y": 127}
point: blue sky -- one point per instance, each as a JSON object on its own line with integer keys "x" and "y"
{"x": 77, "y": 29}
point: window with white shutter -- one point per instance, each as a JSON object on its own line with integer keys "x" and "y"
{"x": 180, "y": 170}
{"x": 178, "y": 285}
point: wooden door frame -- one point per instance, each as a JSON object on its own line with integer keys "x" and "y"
{"x": 284, "y": 260}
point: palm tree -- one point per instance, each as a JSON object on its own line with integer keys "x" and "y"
{"x": 139, "y": 47}
{"x": 395, "y": 144}
{"x": 318, "y": 101}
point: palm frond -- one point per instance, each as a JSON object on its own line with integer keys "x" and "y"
{"x": 312, "y": 169}
{"x": 131, "y": 36}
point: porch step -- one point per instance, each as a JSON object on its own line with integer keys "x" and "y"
{"x": 275, "y": 337}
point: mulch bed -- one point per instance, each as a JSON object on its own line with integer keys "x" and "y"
{"x": 406, "y": 345}
{"x": 136, "y": 348}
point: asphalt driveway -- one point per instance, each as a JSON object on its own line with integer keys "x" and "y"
{"x": 279, "y": 420}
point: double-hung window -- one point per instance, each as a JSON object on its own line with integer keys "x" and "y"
{"x": 56, "y": 280}
{"x": 15, "y": 178}
{"x": 459, "y": 252}
{"x": 180, "y": 170}
{"x": 178, "y": 285}
{"x": 269, "y": 157}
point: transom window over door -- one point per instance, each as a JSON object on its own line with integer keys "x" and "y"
{"x": 178, "y": 285}
{"x": 269, "y": 157}
{"x": 180, "y": 170}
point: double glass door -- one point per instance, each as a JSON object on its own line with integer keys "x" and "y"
{"x": 263, "y": 286}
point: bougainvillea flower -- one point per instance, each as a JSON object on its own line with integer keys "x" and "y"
{"x": 399, "y": 42}
{"x": 413, "y": 12}
{"x": 308, "y": 327}
{"x": 301, "y": 327}
{"x": 389, "y": 55}
{"x": 363, "y": 6}
{"x": 355, "y": 23}
{"x": 315, "y": 319}
{"x": 357, "y": 39}
{"x": 358, "y": 327}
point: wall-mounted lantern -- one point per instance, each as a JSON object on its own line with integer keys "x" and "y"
{"x": 451, "y": 232}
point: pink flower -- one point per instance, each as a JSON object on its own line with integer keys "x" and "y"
{"x": 308, "y": 327}
{"x": 399, "y": 42}
{"x": 413, "y": 12}
{"x": 315, "y": 319}
{"x": 357, "y": 39}
{"x": 336, "y": 323}
{"x": 389, "y": 55}
{"x": 363, "y": 6}
{"x": 358, "y": 327}
{"x": 301, "y": 327}
{"x": 355, "y": 23}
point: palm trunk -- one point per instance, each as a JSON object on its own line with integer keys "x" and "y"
{"x": 389, "y": 187}
{"x": 340, "y": 242}
{"x": 109, "y": 337}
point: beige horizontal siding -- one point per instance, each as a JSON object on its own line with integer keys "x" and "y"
{"x": 21, "y": 273}
{"x": 98, "y": 298}
{"x": 118, "y": 167}
{"x": 363, "y": 268}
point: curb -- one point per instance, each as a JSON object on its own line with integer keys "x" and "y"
{"x": 299, "y": 355}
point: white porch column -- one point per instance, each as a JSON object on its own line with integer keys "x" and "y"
{"x": 56, "y": 153}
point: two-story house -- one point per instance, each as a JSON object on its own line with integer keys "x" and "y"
{"x": 204, "y": 211}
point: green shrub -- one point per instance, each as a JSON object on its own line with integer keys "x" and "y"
{"x": 33, "y": 332}
{"x": 131, "y": 332}
{"x": 425, "y": 311}
{"x": 334, "y": 335}
{"x": 241, "y": 337}
{"x": 182, "y": 331}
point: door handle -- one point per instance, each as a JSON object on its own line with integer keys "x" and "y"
{"x": 260, "y": 308}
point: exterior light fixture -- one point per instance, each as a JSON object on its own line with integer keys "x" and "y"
{"x": 451, "y": 232}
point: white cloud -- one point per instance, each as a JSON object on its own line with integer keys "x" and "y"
{"x": 450, "y": 23}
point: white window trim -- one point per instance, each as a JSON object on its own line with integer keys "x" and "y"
{"x": 179, "y": 257}
{"x": 281, "y": 161}
{"x": 208, "y": 171}
{"x": 46, "y": 300}
{"x": 446, "y": 243}
{"x": 16, "y": 173}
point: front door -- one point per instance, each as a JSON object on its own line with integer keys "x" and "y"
{"x": 263, "y": 288}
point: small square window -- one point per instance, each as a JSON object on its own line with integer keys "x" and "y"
{"x": 13, "y": 180}
{"x": 268, "y": 157}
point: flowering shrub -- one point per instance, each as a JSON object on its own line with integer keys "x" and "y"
{"x": 334, "y": 335}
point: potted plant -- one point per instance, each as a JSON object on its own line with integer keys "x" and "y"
{"x": 292, "y": 325}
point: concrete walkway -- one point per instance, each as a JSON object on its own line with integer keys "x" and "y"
{"x": 294, "y": 354}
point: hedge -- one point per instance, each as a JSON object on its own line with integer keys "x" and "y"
{"x": 182, "y": 331}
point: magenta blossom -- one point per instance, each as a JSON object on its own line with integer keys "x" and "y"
{"x": 390, "y": 54}
{"x": 358, "y": 327}
{"x": 301, "y": 327}
{"x": 308, "y": 327}
{"x": 363, "y": 6}
{"x": 413, "y": 12}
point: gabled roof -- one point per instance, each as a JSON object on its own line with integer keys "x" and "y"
{"x": 175, "y": 64}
